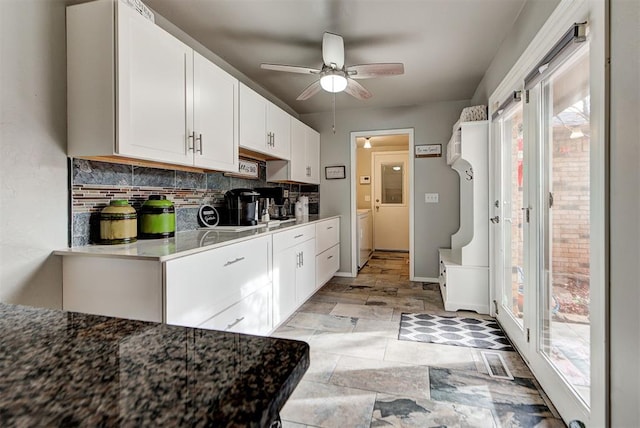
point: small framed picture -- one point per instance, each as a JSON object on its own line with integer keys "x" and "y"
{"x": 335, "y": 172}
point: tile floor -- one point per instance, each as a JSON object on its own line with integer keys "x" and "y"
{"x": 361, "y": 375}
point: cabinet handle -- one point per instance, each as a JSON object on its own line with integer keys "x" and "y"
{"x": 199, "y": 150}
{"x": 329, "y": 258}
{"x": 298, "y": 236}
{"x": 190, "y": 141}
{"x": 239, "y": 259}
{"x": 301, "y": 258}
{"x": 273, "y": 139}
{"x": 298, "y": 259}
{"x": 238, "y": 320}
{"x": 330, "y": 227}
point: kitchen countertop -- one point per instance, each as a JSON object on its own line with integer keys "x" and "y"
{"x": 183, "y": 244}
{"x": 62, "y": 368}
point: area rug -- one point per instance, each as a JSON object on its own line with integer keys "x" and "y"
{"x": 456, "y": 331}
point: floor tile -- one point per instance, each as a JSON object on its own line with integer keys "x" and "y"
{"x": 455, "y": 357}
{"x": 409, "y": 303}
{"x": 388, "y": 329}
{"x": 405, "y": 412}
{"x": 362, "y": 311}
{"x": 316, "y": 307}
{"x": 519, "y": 396}
{"x": 321, "y": 367}
{"x": 322, "y": 322}
{"x": 326, "y": 405}
{"x": 333, "y": 297}
{"x": 382, "y": 376}
{"x": 354, "y": 345}
{"x": 294, "y": 333}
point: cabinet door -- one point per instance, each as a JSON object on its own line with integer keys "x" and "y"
{"x": 313, "y": 156}
{"x": 298, "y": 162}
{"x": 253, "y": 120}
{"x": 284, "y": 284}
{"x": 154, "y": 74}
{"x": 305, "y": 270}
{"x": 215, "y": 117}
{"x": 279, "y": 125}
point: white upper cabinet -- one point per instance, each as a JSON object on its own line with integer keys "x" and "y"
{"x": 215, "y": 119}
{"x": 264, "y": 127}
{"x": 304, "y": 166}
{"x": 136, "y": 91}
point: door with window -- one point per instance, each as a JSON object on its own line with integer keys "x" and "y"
{"x": 390, "y": 201}
{"x": 543, "y": 226}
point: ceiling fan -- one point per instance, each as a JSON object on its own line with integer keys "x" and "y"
{"x": 334, "y": 76}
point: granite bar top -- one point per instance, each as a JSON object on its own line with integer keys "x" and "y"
{"x": 62, "y": 368}
{"x": 183, "y": 244}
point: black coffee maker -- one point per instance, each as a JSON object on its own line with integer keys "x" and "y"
{"x": 241, "y": 207}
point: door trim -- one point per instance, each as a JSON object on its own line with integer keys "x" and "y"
{"x": 354, "y": 211}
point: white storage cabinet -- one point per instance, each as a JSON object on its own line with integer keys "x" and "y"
{"x": 135, "y": 91}
{"x": 294, "y": 269}
{"x": 327, "y": 250}
{"x": 464, "y": 269}
{"x": 202, "y": 286}
{"x": 304, "y": 166}
{"x": 264, "y": 127}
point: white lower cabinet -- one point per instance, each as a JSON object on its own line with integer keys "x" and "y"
{"x": 202, "y": 285}
{"x": 246, "y": 287}
{"x": 294, "y": 270}
{"x": 463, "y": 287}
{"x": 251, "y": 315}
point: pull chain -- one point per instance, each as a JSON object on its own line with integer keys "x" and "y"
{"x": 334, "y": 112}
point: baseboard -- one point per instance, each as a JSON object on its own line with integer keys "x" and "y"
{"x": 424, "y": 279}
{"x": 345, "y": 274}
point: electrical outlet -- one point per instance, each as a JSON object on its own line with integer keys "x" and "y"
{"x": 431, "y": 198}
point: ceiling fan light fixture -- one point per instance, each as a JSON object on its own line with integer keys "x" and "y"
{"x": 333, "y": 82}
{"x": 367, "y": 143}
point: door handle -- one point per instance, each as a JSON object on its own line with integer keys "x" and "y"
{"x": 495, "y": 219}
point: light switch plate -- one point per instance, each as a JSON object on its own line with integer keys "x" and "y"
{"x": 367, "y": 198}
{"x": 431, "y": 198}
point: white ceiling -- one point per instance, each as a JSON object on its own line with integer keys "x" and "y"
{"x": 445, "y": 45}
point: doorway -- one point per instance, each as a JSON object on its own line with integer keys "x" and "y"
{"x": 382, "y": 186}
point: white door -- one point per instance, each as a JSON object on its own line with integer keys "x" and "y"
{"x": 390, "y": 200}
{"x": 313, "y": 156}
{"x": 253, "y": 120}
{"x": 305, "y": 270}
{"x": 511, "y": 226}
{"x": 279, "y": 125}
{"x": 215, "y": 117}
{"x": 154, "y": 101}
{"x": 298, "y": 161}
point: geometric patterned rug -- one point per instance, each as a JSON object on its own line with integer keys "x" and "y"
{"x": 456, "y": 331}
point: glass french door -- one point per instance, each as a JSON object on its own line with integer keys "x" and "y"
{"x": 543, "y": 236}
{"x": 511, "y": 206}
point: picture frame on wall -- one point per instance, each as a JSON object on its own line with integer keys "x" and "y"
{"x": 336, "y": 172}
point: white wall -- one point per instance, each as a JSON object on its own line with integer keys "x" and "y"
{"x": 33, "y": 163}
{"x": 624, "y": 307}
{"x": 432, "y": 123}
{"x": 533, "y": 15}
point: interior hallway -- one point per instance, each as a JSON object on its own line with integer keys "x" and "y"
{"x": 361, "y": 375}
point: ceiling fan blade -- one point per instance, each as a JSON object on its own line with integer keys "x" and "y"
{"x": 333, "y": 50}
{"x": 357, "y": 90}
{"x": 290, "y": 68}
{"x": 310, "y": 91}
{"x": 367, "y": 71}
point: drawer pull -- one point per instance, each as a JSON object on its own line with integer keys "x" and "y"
{"x": 239, "y": 259}
{"x": 329, "y": 258}
{"x": 330, "y": 227}
{"x": 298, "y": 236}
{"x": 238, "y": 320}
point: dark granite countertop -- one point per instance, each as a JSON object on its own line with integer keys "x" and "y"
{"x": 62, "y": 368}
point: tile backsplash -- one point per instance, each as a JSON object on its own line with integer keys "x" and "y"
{"x": 94, "y": 184}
